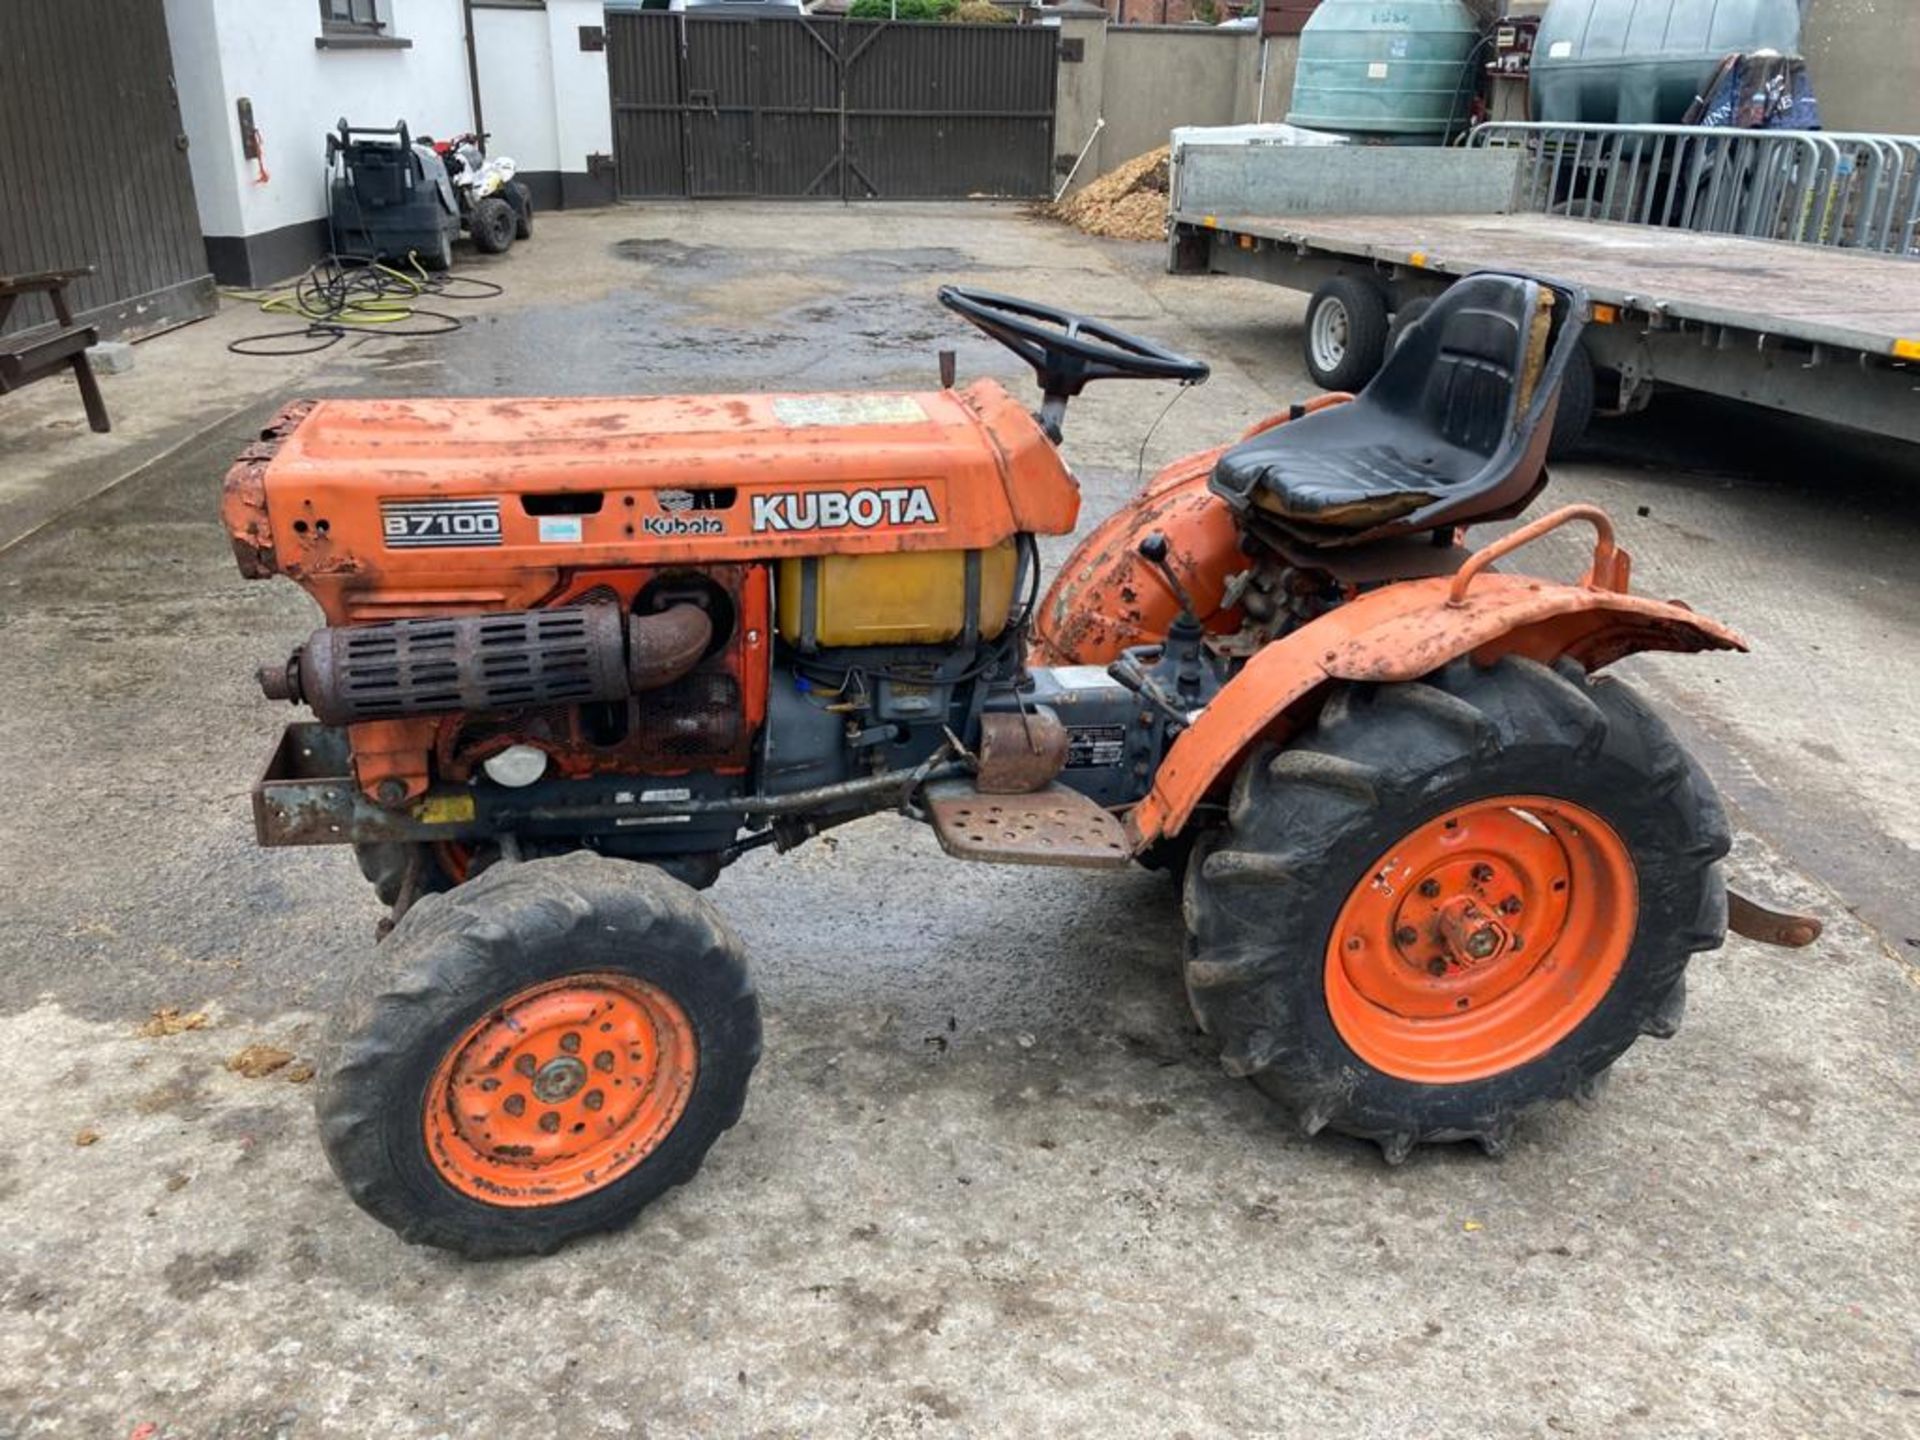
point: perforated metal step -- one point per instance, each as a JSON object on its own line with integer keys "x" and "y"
{"x": 1054, "y": 826}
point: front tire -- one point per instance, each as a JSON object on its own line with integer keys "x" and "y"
{"x": 537, "y": 1055}
{"x": 1454, "y": 900}
{"x": 493, "y": 223}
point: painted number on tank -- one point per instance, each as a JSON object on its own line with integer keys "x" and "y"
{"x": 435, "y": 524}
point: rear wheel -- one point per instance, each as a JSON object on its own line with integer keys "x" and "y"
{"x": 522, "y": 212}
{"x": 537, "y": 1054}
{"x": 1346, "y": 337}
{"x": 1454, "y": 900}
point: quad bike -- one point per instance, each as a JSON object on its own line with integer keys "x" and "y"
{"x": 580, "y": 654}
{"x": 495, "y": 208}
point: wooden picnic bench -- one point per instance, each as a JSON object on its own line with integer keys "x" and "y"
{"x": 37, "y": 352}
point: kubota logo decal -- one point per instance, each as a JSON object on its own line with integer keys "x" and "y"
{"x": 835, "y": 509}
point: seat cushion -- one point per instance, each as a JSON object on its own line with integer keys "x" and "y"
{"x": 1347, "y": 479}
{"x": 1435, "y": 431}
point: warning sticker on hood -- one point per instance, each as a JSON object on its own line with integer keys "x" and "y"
{"x": 800, "y": 411}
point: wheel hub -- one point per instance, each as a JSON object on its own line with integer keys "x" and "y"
{"x": 560, "y": 1090}
{"x": 1481, "y": 939}
{"x": 558, "y": 1080}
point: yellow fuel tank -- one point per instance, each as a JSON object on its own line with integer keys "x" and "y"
{"x": 910, "y": 598}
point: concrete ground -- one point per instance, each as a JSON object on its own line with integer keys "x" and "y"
{"x": 988, "y": 1182}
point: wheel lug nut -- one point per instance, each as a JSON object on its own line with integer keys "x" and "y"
{"x": 515, "y": 1105}
{"x": 1436, "y": 966}
{"x": 1482, "y": 873}
{"x": 1510, "y": 906}
{"x": 1429, "y": 888}
{"x": 1405, "y": 935}
{"x": 550, "y": 1121}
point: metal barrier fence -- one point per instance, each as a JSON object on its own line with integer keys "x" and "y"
{"x": 1812, "y": 187}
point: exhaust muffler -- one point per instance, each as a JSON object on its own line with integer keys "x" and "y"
{"x": 504, "y": 660}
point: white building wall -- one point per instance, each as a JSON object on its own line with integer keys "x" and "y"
{"x": 213, "y": 141}
{"x": 583, "y": 110}
{"x": 543, "y": 97}
{"x": 516, "y": 86}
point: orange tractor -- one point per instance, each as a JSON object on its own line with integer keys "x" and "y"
{"x": 579, "y": 654}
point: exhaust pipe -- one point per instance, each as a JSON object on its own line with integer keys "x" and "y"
{"x": 504, "y": 660}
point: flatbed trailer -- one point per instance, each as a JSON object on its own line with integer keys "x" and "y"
{"x": 1810, "y": 330}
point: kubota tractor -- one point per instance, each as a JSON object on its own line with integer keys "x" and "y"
{"x": 579, "y": 654}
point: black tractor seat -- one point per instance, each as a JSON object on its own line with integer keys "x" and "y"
{"x": 1453, "y": 429}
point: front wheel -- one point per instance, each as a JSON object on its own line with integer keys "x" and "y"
{"x": 492, "y": 223}
{"x": 537, "y": 1054}
{"x": 1454, "y": 900}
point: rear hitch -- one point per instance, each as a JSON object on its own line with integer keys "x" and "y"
{"x": 1770, "y": 927}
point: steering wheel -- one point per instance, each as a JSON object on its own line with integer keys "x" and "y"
{"x": 1068, "y": 351}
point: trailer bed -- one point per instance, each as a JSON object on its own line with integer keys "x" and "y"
{"x": 1819, "y": 295}
{"x": 1827, "y": 333}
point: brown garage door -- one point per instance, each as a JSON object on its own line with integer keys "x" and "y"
{"x": 706, "y": 106}
{"x": 95, "y": 162}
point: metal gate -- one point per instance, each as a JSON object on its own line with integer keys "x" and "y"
{"x": 711, "y": 106}
{"x": 95, "y": 160}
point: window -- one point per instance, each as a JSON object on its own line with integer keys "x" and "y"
{"x": 351, "y": 15}
{"x": 358, "y": 25}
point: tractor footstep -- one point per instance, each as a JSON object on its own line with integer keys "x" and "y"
{"x": 1054, "y": 826}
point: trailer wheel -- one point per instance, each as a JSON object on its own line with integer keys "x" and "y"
{"x": 492, "y": 225}
{"x": 1346, "y": 336}
{"x": 1575, "y": 415}
{"x": 536, "y": 1055}
{"x": 1454, "y": 900}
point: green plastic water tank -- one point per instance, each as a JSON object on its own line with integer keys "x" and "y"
{"x": 1386, "y": 70}
{"x": 1641, "y": 62}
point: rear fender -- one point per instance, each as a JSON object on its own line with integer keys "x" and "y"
{"x": 1106, "y": 599}
{"x": 1404, "y": 631}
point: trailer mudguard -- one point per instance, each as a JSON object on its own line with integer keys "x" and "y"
{"x": 1410, "y": 629}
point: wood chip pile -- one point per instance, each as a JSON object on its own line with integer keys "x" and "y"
{"x": 1127, "y": 203}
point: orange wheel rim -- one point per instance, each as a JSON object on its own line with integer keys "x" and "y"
{"x": 560, "y": 1090}
{"x": 1482, "y": 939}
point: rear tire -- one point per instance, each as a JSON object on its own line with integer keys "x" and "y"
{"x": 527, "y": 965}
{"x": 522, "y": 212}
{"x": 1285, "y": 971}
{"x": 1346, "y": 333}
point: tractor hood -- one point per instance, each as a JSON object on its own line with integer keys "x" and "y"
{"x": 382, "y": 493}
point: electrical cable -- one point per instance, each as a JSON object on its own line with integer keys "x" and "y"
{"x": 347, "y": 295}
